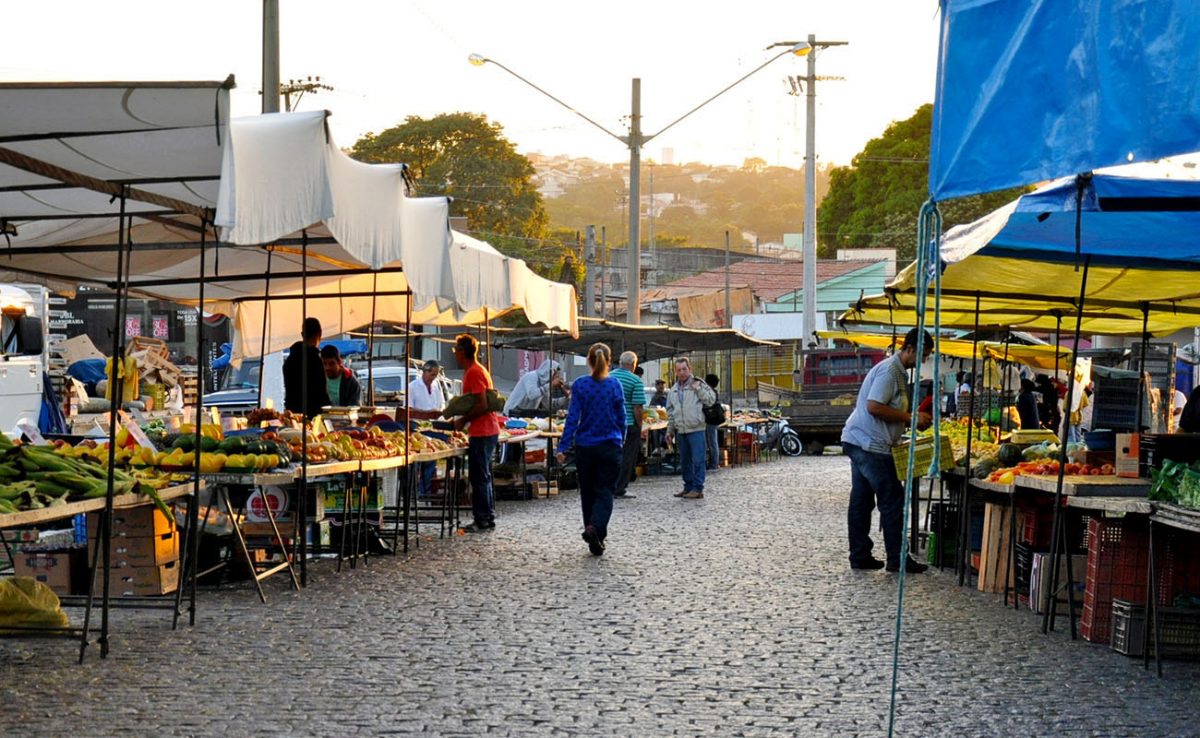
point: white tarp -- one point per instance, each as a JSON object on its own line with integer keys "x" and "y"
{"x": 268, "y": 178}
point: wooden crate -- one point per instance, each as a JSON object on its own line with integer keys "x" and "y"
{"x": 995, "y": 562}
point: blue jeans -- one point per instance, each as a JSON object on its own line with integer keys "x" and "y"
{"x": 714, "y": 448}
{"x": 691, "y": 459}
{"x": 425, "y": 472}
{"x": 480, "y": 450}
{"x": 597, "y": 467}
{"x": 873, "y": 480}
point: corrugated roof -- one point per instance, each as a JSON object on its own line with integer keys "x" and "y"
{"x": 770, "y": 279}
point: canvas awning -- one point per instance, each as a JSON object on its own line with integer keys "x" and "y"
{"x": 67, "y": 149}
{"x": 1137, "y": 236}
{"x": 649, "y": 342}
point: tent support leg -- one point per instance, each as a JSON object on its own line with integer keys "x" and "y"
{"x": 962, "y": 562}
{"x": 1058, "y": 535}
{"x": 262, "y": 347}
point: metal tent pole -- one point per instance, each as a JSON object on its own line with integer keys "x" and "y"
{"x": 962, "y": 565}
{"x": 301, "y": 542}
{"x": 262, "y": 347}
{"x": 193, "y": 517}
{"x": 1142, "y": 367}
{"x": 1058, "y": 535}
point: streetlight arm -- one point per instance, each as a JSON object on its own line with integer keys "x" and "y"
{"x": 737, "y": 82}
{"x": 619, "y": 137}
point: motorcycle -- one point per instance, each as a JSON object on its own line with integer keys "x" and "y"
{"x": 778, "y": 434}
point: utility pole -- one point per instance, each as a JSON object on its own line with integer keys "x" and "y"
{"x": 653, "y": 246}
{"x": 633, "y": 288}
{"x": 589, "y": 273}
{"x": 810, "y": 196}
{"x": 270, "y": 56}
{"x": 728, "y": 324}
{"x": 298, "y": 88}
{"x": 603, "y": 269}
{"x": 634, "y": 142}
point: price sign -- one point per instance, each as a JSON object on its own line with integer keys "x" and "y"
{"x": 135, "y": 430}
{"x": 31, "y": 432}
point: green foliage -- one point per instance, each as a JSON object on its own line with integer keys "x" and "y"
{"x": 466, "y": 157}
{"x": 874, "y": 202}
{"x": 755, "y": 199}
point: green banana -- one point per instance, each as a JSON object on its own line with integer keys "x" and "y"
{"x": 72, "y": 480}
{"x": 7, "y": 507}
{"x": 53, "y": 489}
{"x": 8, "y": 473}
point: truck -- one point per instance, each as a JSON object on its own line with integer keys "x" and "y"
{"x": 23, "y": 357}
{"x": 829, "y": 387}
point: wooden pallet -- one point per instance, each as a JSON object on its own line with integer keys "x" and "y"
{"x": 994, "y": 560}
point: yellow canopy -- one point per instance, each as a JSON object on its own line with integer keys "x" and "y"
{"x": 1038, "y": 357}
{"x": 1027, "y": 295}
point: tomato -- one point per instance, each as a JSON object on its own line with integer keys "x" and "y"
{"x": 1095, "y": 472}
{"x": 1107, "y": 469}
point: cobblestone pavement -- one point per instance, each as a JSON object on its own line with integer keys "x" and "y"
{"x": 734, "y": 615}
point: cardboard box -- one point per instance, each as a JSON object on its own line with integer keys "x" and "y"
{"x": 133, "y": 523}
{"x": 335, "y": 499}
{"x": 1129, "y": 455}
{"x": 58, "y": 570}
{"x": 79, "y": 348}
{"x": 141, "y": 581}
{"x": 142, "y": 551}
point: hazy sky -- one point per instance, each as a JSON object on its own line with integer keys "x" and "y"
{"x": 388, "y": 60}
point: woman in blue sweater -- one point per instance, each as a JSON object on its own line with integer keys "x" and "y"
{"x": 595, "y": 429}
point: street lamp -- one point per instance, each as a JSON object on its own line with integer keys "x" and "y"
{"x": 809, "y": 48}
{"x": 634, "y": 141}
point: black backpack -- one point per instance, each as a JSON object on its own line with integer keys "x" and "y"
{"x": 714, "y": 414}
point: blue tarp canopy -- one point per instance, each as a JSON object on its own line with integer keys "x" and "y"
{"x": 1124, "y": 221}
{"x": 1035, "y": 90}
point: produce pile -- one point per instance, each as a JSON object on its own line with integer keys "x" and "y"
{"x": 1039, "y": 460}
{"x": 34, "y": 477}
{"x": 983, "y": 445}
{"x": 1176, "y": 482}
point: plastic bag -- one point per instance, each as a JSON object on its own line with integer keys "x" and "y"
{"x": 27, "y": 603}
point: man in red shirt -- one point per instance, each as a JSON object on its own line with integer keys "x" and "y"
{"x": 484, "y": 432}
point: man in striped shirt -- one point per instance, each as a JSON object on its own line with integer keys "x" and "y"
{"x": 635, "y": 400}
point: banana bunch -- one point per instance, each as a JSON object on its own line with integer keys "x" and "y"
{"x": 127, "y": 369}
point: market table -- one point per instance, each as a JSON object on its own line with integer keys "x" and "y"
{"x": 69, "y": 511}
{"x": 221, "y": 482}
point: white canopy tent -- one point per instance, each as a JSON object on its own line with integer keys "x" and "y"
{"x": 277, "y": 187}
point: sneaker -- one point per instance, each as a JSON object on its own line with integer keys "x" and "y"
{"x": 682, "y": 493}
{"x": 696, "y": 495}
{"x": 478, "y": 527}
{"x": 870, "y": 564}
{"x": 625, "y": 496}
{"x": 912, "y": 566}
{"x": 595, "y": 542}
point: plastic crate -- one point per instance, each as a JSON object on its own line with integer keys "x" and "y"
{"x": 1116, "y": 570}
{"x": 1178, "y": 636}
{"x": 924, "y": 456}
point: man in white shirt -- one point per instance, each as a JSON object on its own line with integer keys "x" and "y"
{"x": 426, "y": 400}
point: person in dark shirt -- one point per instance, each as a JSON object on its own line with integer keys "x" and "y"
{"x": 302, "y": 367}
{"x": 1027, "y": 405}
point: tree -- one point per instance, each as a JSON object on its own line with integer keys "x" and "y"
{"x": 467, "y": 158}
{"x": 874, "y": 202}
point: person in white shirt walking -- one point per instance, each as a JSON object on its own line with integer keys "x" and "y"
{"x": 426, "y": 401}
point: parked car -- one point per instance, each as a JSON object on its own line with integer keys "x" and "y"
{"x": 391, "y": 383}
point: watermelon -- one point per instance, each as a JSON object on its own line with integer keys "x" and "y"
{"x": 1009, "y": 454}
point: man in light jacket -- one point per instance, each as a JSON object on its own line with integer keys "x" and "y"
{"x": 686, "y": 425}
{"x": 534, "y": 392}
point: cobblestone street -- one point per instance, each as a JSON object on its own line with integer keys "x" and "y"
{"x": 733, "y": 615}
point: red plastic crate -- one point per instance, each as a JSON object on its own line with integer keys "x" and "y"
{"x": 1038, "y": 524}
{"x": 1178, "y": 564}
{"x": 1116, "y": 568}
